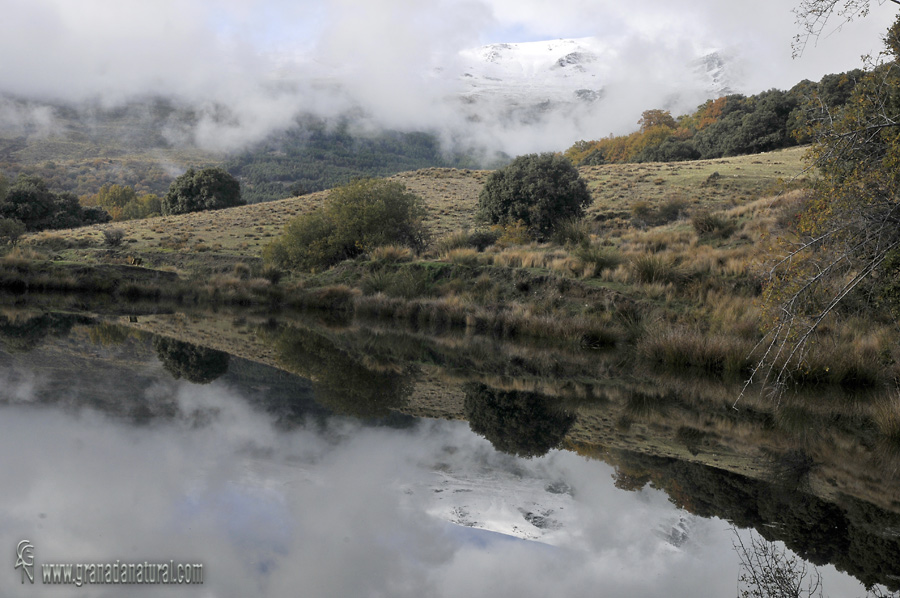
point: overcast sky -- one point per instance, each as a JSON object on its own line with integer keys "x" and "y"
{"x": 231, "y": 51}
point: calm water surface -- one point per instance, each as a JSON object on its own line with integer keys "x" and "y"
{"x": 130, "y": 447}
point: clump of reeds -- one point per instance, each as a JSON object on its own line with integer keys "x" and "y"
{"x": 19, "y": 257}
{"x": 464, "y": 256}
{"x": 479, "y": 239}
{"x": 683, "y": 349}
{"x": 391, "y": 254}
{"x": 652, "y": 268}
{"x": 572, "y": 231}
{"x": 711, "y": 225}
{"x": 597, "y": 258}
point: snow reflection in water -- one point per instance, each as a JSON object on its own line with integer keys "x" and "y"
{"x": 109, "y": 457}
{"x": 340, "y": 510}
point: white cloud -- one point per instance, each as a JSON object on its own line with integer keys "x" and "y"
{"x": 268, "y": 61}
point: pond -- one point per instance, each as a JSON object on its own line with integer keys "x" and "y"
{"x": 291, "y": 455}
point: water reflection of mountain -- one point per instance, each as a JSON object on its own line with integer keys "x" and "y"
{"x": 813, "y": 473}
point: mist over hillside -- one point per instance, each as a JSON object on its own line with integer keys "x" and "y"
{"x": 289, "y": 136}
{"x": 510, "y": 98}
{"x": 297, "y": 97}
{"x": 246, "y": 71}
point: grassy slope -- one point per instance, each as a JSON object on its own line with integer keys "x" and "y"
{"x": 708, "y": 307}
{"x": 681, "y": 299}
{"x": 451, "y": 196}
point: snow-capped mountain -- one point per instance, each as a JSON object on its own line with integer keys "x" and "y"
{"x": 575, "y": 78}
{"x": 516, "y": 500}
{"x": 565, "y": 70}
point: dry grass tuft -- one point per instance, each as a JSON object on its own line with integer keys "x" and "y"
{"x": 463, "y": 256}
{"x": 391, "y": 254}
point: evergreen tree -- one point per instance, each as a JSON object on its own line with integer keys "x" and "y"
{"x": 538, "y": 189}
{"x": 200, "y": 190}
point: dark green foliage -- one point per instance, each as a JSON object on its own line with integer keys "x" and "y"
{"x": 835, "y": 90}
{"x": 194, "y": 363}
{"x": 518, "y": 423}
{"x": 10, "y": 231}
{"x": 316, "y": 155}
{"x": 594, "y": 158}
{"x": 724, "y": 137}
{"x": 670, "y": 150}
{"x": 200, "y": 190}
{"x": 541, "y": 190}
{"x": 765, "y": 128}
{"x": 770, "y": 120}
{"x": 482, "y": 239}
{"x": 32, "y": 203}
{"x": 354, "y": 219}
{"x": 93, "y": 216}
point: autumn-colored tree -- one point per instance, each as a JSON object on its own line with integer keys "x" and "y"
{"x": 123, "y": 203}
{"x": 581, "y": 151}
{"x": 656, "y": 118}
{"x": 710, "y": 112}
{"x": 112, "y": 198}
{"x": 115, "y": 196}
{"x": 142, "y": 207}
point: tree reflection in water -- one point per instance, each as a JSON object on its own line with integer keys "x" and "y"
{"x": 194, "y": 363}
{"x": 525, "y": 424}
{"x": 770, "y": 570}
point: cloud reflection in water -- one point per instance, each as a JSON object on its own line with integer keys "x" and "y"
{"x": 342, "y": 510}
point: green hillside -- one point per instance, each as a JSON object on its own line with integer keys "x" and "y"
{"x": 144, "y": 145}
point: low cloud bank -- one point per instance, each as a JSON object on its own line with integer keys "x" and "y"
{"x": 248, "y": 72}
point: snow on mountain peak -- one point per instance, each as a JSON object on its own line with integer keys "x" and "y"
{"x": 573, "y": 79}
